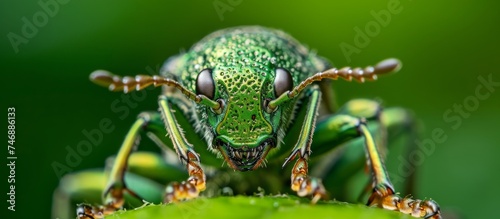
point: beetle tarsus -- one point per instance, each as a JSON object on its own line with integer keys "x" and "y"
{"x": 190, "y": 188}
{"x": 384, "y": 197}
{"x": 86, "y": 211}
{"x": 176, "y": 192}
{"x": 305, "y": 185}
{"x": 114, "y": 201}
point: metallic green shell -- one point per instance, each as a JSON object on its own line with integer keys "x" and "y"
{"x": 243, "y": 62}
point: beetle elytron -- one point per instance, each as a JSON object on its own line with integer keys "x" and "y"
{"x": 251, "y": 93}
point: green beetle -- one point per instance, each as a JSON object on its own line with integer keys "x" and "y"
{"x": 249, "y": 94}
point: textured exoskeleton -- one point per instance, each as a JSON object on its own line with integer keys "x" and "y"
{"x": 258, "y": 100}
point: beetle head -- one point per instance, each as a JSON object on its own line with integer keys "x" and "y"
{"x": 244, "y": 128}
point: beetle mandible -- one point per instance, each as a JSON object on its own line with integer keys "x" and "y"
{"x": 246, "y": 91}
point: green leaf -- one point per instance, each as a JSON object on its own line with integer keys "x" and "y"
{"x": 268, "y": 207}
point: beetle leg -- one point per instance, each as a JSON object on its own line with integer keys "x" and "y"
{"x": 87, "y": 186}
{"x": 113, "y": 194}
{"x": 342, "y": 149}
{"x": 151, "y": 123}
{"x": 386, "y": 125}
{"x": 341, "y": 128}
{"x": 383, "y": 195}
{"x": 301, "y": 182}
{"x": 197, "y": 180}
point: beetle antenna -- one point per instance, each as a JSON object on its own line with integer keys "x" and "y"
{"x": 139, "y": 82}
{"x": 347, "y": 73}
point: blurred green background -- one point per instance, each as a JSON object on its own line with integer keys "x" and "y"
{"x": 444, "y": 45}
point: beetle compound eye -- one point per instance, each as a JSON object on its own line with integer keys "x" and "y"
{"x": 283, "y": 82}
{"x": 205, "y": 84}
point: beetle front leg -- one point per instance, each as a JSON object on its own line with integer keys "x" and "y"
{"x": 301, "y": 182}
{"x": 190, "y": 188}
{"x": 197, "y": 180}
